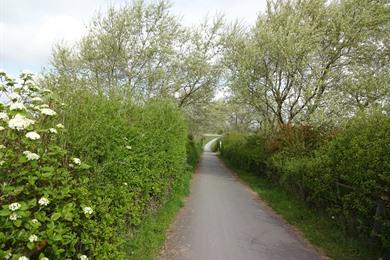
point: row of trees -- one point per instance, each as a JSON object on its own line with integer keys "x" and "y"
{"x": 141, "y": 51}
{"x": 309, "y": 60}
{"x": 303, "y": 61}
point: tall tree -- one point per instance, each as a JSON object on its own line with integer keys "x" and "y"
{"x": 298, "y": 52}
{"x": 141, "y": 51}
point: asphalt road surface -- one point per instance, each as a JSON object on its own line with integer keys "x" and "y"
{"x": 224, "y": 220}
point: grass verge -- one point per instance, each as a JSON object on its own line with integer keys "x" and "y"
{"x": 318, "y": 228}
{"x": 148, "y": 240}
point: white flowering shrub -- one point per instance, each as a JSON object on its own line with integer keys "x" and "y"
{"x": 44, "y": 209}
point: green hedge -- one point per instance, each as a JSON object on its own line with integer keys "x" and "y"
{"x": 246, "y": 152}
{"x": 133, "y": 160}
{"x": 137, "y": 154}
{"x": 346, "y": 176}
{"x": 193, "y": 151}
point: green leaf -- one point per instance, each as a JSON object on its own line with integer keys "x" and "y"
{"x": 5, "y": 212}
{"x": 30, "y": 245}
{"x": 48, "y": 169}
{"x": 55, "y": 216}
{"x": 17, "y": 222}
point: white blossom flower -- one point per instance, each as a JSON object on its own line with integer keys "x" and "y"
{"x": 23, "y": 258}
{"x": 43, "y": 201}
{"x": 14, "y": 96}
{"x": 2, "y": 146}
{"x": 36, "y": 99}
{"x": 125, "y": 183}
{"x": 33, "y": 238}
{"x": 128, "y": 147}
{"x": 14, "y": 206}
{"x": 31, "y": 156}
{"x": 83, "y": 257}
{"x": 17, "y": 106}
{"x": 35, "y": 221}
{"x": 60, "y": 126}
{"x": 88, "y": 210}
{"x": 13, "y": 216}
{"x": 4, "y": 116}
{"x": 44, "y": 106}
{"x": 33, "y": 135}
{"x": 1, "y": 128}
{"x": 53, "y": 130}
{"x": 77, "y": 161}
{"x": 1, "y": 163}
{"x": 20, "y": 122}
{"x": 48, "y": 112}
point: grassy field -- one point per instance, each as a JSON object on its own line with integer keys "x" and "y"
{"x": 317, "y": 227}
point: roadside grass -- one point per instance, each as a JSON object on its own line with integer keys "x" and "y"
{"x": 318, "y": 228}
{"x": 146, "y": 243}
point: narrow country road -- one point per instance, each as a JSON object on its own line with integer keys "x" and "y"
{"x": 224, "y": 220}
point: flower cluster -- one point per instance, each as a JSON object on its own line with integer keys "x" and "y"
{"x": 43, "y": 201}
{"x": 14, "y": 206}
{"x": 88, "y": 210}
{"x": 30, "y": 154}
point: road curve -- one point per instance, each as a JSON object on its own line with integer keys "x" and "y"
{"x": 224, "y": 220}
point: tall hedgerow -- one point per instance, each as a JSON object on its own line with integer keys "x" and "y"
{"x": 137, "y": 155}
{"x": 54, "y": 205}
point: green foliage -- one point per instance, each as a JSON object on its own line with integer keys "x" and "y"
{"x": 45, "y": 206}
{"x": 147, "y": 241}
{"x": 141, "y": 51}
{"x": 54, "y": 205}
{"x": 244, "y": 151}
{"x": 359, "y": 158}
{"x": 308, "y": 58}
{"x": 193, "y": 151}
{"x": 317, "y": 227}
{"x": 347, "y": 176}
{"x": 137, "y": 154}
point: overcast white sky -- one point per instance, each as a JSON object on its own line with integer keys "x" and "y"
{"x": 29, "y": 28}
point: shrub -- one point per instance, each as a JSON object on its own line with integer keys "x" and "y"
{"x": 296, "y": 140}
{"x": 55, "y": 205}
{"x": 244, "y": 151}
{"x": 360, "y": 158}
{"x": 137, "y": 154}
{"x": 45, "y": 207}
{"x": 193, "y": 151}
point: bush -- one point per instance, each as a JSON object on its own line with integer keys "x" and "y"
{"x": 296, "y": 140}
{"x": 137, "y": 154}
{"x": 245, "y": 151}
{"x": 360, "y": 158}
{"x": 45, "y": 209}
{"x": 54, "y": 205}
{"x": 193, "y": 151}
